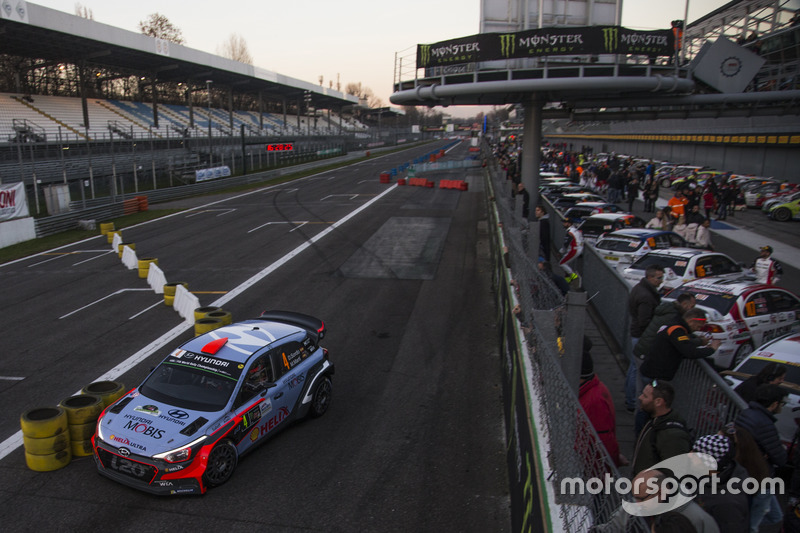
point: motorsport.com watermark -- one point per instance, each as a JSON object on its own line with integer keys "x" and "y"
{"x": 694, "y": 474}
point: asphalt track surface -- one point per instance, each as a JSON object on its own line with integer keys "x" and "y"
{"x": 414, "y": 438}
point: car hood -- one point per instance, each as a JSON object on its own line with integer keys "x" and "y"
{"x": 147, "y": 427}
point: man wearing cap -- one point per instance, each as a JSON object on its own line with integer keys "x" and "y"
{"x": 573, "y": 247}
{"x": 730, "y": 510}
{"x": 599, "y": 406}
{"x": 765, "y": 268}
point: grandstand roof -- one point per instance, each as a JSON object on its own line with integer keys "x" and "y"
{"x": 52, "y": 35}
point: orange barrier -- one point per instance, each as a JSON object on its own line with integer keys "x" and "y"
{"x": 474, "y": 149}
{"x": 142, "y": 203}
{"x": 401, "y": 181}
{"x": 385, "y": 177}
{"x": 459, "y": 185}
{"x": 130, "y": 206}
{"x": 420, "y": 182}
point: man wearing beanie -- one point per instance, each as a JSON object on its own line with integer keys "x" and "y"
{"x": 730, "y": 511}
{"x": 599, "y": 406}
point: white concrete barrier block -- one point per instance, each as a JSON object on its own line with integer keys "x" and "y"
{"x": 129, "y": 258}
{"x": 116, "y": 241}
{"x": 156, "y": 278}
{"x": 185, "y": 303}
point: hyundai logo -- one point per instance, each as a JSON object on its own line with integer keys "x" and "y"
{"x": 177, "y": 413}
{"x": 125, "y": 452}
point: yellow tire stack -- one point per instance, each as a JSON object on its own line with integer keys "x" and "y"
{"x": 82, "y": 412}
{"x": 169, "y": 291}
{"x": 108, "y": 391}
{"x": 45, "y": 438}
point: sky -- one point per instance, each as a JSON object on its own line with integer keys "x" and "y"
{"x": 352, "y": 41}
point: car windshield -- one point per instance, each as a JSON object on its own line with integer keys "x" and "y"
{"x": 720, "y": 302}
{"x": 193, "y": 381}
{"x": 620, "y": 244}
{"x": 677, "y": 264}
{"x": 753, "y": 365}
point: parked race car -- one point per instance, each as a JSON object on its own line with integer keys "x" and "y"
{"x": 742, "y": 314}
{"x": 682, "y": 265}
{"x": 595, "y": 226}
{"x": 628, "y": 245}
{"x": 213, "y": 399}
{"x": 786, "y": 351}
{"x": 786, "y": 211}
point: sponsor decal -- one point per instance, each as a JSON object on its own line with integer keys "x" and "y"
{"x": 125, "y": 466}
{"x": 730, "y": 66}
{"x": 251, "y": 417}
{"x": 254, "y": 434}
{"x": 270, "y": 424}
{"x": 179, "y": 414}
{"x": 173, "y": 468}
{"x": 148, "y": 409}
{"x": 266, "y": 406}
{"x": 124, "y": 441}
{"x": 294, "y": 380}
{"x": 144, "y": 429}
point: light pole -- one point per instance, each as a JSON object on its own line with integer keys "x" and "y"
{"x": 208, "y": 90}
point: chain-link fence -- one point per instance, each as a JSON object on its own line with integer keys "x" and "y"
{"x": 572, "y": 448}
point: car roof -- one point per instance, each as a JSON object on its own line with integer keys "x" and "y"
{"x": 686, "y": 253}
{"x": 786, "y": 348}
{"x": 609, "y": 216}
{"x": 243, "y": 339}
{"x": 736, "y": 286}
{"x": 639, "y": 233}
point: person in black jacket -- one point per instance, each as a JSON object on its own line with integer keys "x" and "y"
{"x": 730, "y": 509}
{"x": 642, "y": 302}
{"x": 673, "y": 344}
{"x": 772, "y": 373}
{"x": 759, "y": 420}
{"x": 544, "y": 232}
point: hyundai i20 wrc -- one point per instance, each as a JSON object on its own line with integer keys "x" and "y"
{"x": 213, "y": 399}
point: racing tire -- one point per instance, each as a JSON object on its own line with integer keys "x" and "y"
{"x": 741, "y": 354}
{"x": 222, "y": 461}
{"x": 78, "y": 432}
{"x": 225, "y": 316}
{"x": 321, "y": 399}
{"x": 82, "y": 409}
{"x": 41, "y": 422}
{"x": 108, "y": 391}
{"x": 204, "y": 325}
{"x": 666, "y": 183}
{"x": 201, "y": 312}
{"x": 81, "y": 448}
{"x": 48, "y": 462}
{"x": 46, "y": 445}
{"x": 782, "y": 214}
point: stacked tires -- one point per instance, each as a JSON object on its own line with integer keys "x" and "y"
{"x": 45, "y": 437}
{"x": 82, "y": 412}
{"x": 52, "y": 436}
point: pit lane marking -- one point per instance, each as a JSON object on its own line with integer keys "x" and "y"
{"x": 101, "y": 299}
{"x": 15, "y": 441}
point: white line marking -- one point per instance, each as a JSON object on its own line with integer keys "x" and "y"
{"x": 100, "y": 300}
{"x": 143, "y": 311}
{"x": 15, "y": 441}
{"x": 51, "y": 259}
{"x": 300, "y": 222}
{"x": 93, "y": 258}
{"x": 10, "y": 378}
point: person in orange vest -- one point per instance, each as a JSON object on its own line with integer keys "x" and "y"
{"x": 677, "y": 204}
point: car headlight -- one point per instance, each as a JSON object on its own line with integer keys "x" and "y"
{"x": 184, "y": 453}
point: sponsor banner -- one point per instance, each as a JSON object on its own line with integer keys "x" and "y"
{"x": 576, "y": 40}
{"x": 13, "y": 203}
{"x": 205, "y": 174}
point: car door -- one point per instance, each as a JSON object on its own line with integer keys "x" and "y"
{"x": 253, "y": 402}
{"x": 783, "y": 308}
{"x": 757, "y": 316}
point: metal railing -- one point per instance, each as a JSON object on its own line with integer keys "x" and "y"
{"x": 570, "y": 443}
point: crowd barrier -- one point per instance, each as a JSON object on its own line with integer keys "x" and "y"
{"x": 549, "y": 436}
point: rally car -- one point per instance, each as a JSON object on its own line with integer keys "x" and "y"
{"x": 628, "y": 245}
{"x": 682, "y": 265}
{"x": 742, "y": 314}
{"x": 213, "y": 399}
{"x": 785, "y": 351}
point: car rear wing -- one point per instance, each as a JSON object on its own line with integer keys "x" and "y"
{"x": 315, "y": 327}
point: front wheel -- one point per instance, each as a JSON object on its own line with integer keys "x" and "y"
{"x": 221, "y": 463}
{"x": 782, "y": 214}
{"x": 741, "y": 354}
{"x": 321, "y": 399}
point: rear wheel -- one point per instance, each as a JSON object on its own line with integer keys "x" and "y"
{"x": 221, "y": 463}
{"x": 741, "y": 354}
{"x": 321, "y": 399}
{"x": 782, "y": 214}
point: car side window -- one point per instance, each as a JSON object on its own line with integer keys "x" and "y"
{"x": 676, "y": 241}
{"x": 256, "y": 378}
{"x": 756, "y": 305}
{"x": 781, "y": 302}
{"x": 291, "y": 354}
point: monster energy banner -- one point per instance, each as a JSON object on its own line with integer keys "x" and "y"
{"x": 575, "y": 40}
